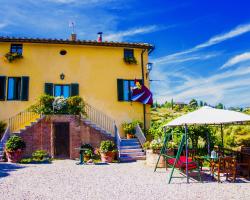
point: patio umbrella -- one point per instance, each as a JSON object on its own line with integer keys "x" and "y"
{"x": 208, "y": 116}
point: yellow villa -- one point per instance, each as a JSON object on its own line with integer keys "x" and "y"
{"x": 97, "y": 71}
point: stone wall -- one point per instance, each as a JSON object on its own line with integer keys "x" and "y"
{"x": 40, "y": 135}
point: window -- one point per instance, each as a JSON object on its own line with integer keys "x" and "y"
{"x": 16, "y": 48}
{"x": 14, "y": 88}
{"x": 128, "y": 53}
{"x": 125, "y": 89}
{"x": 62, "y": 90}
{"x": 66, "y": 91}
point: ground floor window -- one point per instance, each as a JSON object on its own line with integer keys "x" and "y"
{"x": 125, "y": 89}
{"x": 14, "y": 88}
{"x": 62, "y": 90}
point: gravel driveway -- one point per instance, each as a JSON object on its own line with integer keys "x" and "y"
{"x": 63, "y": 179}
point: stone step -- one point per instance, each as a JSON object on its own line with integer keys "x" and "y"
{"x": 130, "y": 146}
{"x": 131, "y": 150}
{"x": 129, "y": 158}
{"x": 129, "y": 143}
{"x": 132, "y": 154}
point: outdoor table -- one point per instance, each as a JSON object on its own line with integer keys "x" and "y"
{"x": 81, "y": 152}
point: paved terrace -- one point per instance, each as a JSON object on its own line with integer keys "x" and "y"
{"x": 64, "y": 180}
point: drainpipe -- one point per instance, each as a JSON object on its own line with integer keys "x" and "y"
{"x": 143, "y": 80}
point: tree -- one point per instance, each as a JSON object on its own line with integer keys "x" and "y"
{"x": 201, "y": 103}
{"x": 193, "y": 103}
{"x": 219, "y": 106}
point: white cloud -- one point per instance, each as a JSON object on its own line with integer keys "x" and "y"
{"x": 3, "y": 24}
{"x": 213, "y": 89}
{"x": 185, "y": 58}
{"x": 131, "y": 32}
{"x": 237, "y": 31}
{"x": 236, "y": 59}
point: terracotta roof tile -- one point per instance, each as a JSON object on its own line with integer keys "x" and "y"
{"x": 77, "y": 42}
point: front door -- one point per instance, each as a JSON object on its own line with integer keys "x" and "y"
{"x": 61, "y": 140}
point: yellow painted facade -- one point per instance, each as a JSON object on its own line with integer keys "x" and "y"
{"x": 95, "y": 68}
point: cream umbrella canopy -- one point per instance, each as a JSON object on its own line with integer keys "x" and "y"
{"x": 207, "y": 116}
{"x": 210, "y": 116}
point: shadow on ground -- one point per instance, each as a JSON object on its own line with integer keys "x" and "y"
{"x": 6, "y": 168}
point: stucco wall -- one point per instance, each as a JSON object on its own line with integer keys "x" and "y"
{"x": 96, "y": 69}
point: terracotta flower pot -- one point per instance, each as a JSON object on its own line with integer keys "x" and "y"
{"x": 14, "y": 156}
{"x": 130, "y": 136}
{"x": 86, "y": 158}
{"x": 107, "y": 157}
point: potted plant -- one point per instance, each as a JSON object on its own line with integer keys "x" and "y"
{"x": 130, "y": 60}
{"x": 152, "y": 153}
{"x": 14, "y": 148}
{"x": 129, "y": 130}
{"x": 12, "y": 56}
{"x": 107, "y": 151}
{"x": 87, "y": 155}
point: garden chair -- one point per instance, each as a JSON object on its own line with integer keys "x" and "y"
{"x": 230, "y": 167}
{"x": 217, "y": 167}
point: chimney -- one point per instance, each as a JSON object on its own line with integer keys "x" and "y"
{"x": 73, "y": 37}
{"x": 99, "y": 39}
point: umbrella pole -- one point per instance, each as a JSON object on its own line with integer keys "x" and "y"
{"x": 186, "y": 137}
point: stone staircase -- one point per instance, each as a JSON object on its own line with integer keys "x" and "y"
{"x": 131, "y": 150}
{"x": 1, "y": 151}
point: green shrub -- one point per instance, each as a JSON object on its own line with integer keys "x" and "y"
{"x": 39, "y": 155}
{"x": 48, "y": 105}
{"x": 107, "y": 146}
{"x": 75, "y": 105}
{"x": 14, "y": 143}
{"x": 44, "y": 105}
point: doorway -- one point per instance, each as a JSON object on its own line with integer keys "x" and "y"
{"x": 61, "y": 140}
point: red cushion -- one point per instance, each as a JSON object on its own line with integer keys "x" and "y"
{"x": 181, "y": 163}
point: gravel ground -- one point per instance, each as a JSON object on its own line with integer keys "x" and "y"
{"x": 63, "y": 179}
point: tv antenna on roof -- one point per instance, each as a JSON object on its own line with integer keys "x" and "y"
{"x": 72, "y": 25}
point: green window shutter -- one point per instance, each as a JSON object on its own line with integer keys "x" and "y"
{"x": 25, "y": 88}
{"x": 74, "y": 89}
{"x": 48, "y": 89}
{"x": 120, "y": 89}
{"x": 2, "y": 87}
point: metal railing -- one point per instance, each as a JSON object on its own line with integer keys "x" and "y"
{"x": 140, "y": 135}
{"x": 117, "y": 140}
{"x": 21, "y": 120}
{"x": 6, "y": 136}
{"x": 100, "y": 119}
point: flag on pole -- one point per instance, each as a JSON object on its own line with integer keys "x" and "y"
{"x": 141, "y": 93}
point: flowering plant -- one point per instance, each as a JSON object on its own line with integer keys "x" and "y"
{"x": 59, "y": 104}
{"x": 12, "y": 56}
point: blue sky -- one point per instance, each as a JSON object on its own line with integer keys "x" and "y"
{"x": 202, "y": 47}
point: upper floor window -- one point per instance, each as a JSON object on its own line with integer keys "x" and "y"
{"x": 128, "y": 53}
{"x": 16, "y": 48}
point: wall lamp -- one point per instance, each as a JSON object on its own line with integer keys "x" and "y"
{"x": 149, "y": 68}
